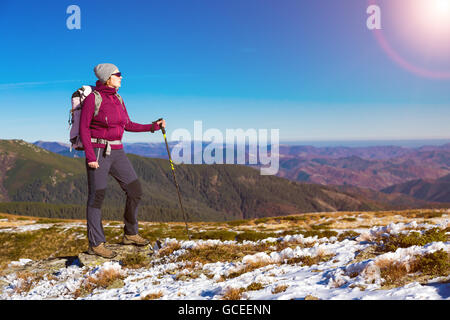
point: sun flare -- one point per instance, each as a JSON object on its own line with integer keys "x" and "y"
{"x": 441, "y": 7}
{"x": 416, "y": 34}
{"x": 436, "y": 13}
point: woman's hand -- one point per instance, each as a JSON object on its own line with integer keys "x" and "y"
{"x": 93, "y": 165}
{"x": 161, "y": 123}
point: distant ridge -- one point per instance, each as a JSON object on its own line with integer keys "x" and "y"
{"x": 30, "y": 174}
{"x": 375, "y": 167}
{"x": 430, "y": 190}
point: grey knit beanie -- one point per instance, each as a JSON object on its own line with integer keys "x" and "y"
{"x": 104, "y": 71}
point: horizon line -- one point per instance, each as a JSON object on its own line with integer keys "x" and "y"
{"x": 284, "y": 142}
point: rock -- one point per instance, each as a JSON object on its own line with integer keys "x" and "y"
{"x": 49, "y": 265}
{"x": 123, "y": 252}
{"x": 128, "y": 255}
{"x": 53, "y": 264}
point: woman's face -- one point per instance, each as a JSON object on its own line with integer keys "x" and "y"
{"x": 114, "y": 80}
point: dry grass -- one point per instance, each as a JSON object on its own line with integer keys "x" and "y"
{"x": 27, "y": 280}
{"x": 322, "y": 256}
{"x": 105, "y": 279}
{"x": 254, "y": 286}
{"x": 311, "y": 297}
{"x": 153, "y": 296}
{"x": 419, "y": 267}
{"x": 392, "y": 272}
{"x": 135, "y": 261}
{"x": 232, "y": 294}
{"x": 365, "y": 254}
{"x": 222, "y": 253}
{"x": 191, "y": 271}
{"x": 169, "y": 249}
{"x": 248, "y": 267}
{"x": 280, "y": 288}
{"x": 52, "y": 242}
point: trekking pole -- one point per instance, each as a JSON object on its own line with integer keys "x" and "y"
{"x": 175, "y": 179}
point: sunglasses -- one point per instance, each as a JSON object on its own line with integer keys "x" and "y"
{"x": 118, "y": 74}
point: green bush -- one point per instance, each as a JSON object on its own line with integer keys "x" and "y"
{"x": 222, "y": 235}
{"x": 295, "y": 218}
{"x": 319, "y": 233}
{"x": 254, "y": 235}
{"x": 414, "y": 238}
{"x": 134, "y": 260}
{"x": 262, "y": 220}
{"x": 434, "y": 264}
{"x": 325, "y": 225}
{"x": 347, "y": 235}
{"x": 236, "y": 223}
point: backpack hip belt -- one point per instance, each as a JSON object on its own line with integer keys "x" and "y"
{"x": 108, "y": 144}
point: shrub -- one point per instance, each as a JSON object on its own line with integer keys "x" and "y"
{"x": 392, "y": 272}
{"x": 254, "y": 235}
{"x": 169, "y": 249}
{"x": 431, "y": 264}
{"x": 135, "y": 260}
{"x": 262, "y": 220}
{"x": 153, "y": 296}
{"x": 310, "y": 260}
{"x": 347, "y": 235}
{"x": 325, "y": 225}
{"x": 52, "y": 242}
{"x": 232, "y": 294}
{"x": 434, "y": 264}
{"x": 249, "y": 267}
{"x": 279, "y": 288}
{"x": 319, "y": 233}
{"x": 414, "y": 238}
{"x": 27, "y": 280}
{"x": 236, "y": 223}
{"x": 254, "y": 286}
{"x": 105, "y": 279}
{"x": 295, "y": 218}
{"x": 216, "y": 253}
{"x": 216, "y": 234}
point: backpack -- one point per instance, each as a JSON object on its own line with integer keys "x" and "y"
{"x": 78, "y": 98}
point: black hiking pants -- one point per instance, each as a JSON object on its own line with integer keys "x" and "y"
{"x": 117, "y": 165}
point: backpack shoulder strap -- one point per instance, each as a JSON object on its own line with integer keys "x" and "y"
{"x": 121, "y": 100}
{"x": 98, "y": 102}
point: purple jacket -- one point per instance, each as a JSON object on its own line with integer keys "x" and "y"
{"x": 109, "y": 124}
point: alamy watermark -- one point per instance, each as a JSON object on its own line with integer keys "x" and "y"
{"x": 213, "y": 147}
{"x": 374, "y": 20}
{"x": 73, "y": 22}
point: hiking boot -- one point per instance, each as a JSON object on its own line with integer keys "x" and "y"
{"x": 135, "y": 239}
{"x": 102, "y": 251}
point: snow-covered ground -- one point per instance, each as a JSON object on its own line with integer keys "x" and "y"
{"x": 339, "y": 277}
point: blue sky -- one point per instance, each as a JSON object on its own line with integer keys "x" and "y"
{"x": 309, "y": 68}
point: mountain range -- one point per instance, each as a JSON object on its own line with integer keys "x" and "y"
{"x": 30, "y": 174}
{"x": 379, "y": 168}
{"x": 430, "y": 190}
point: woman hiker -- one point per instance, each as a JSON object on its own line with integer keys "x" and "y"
{"x": 101, "y": 137}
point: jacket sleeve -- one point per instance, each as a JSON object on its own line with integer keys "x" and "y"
{"x": 137, "y": 127}
{"x": 87, "y": 113}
